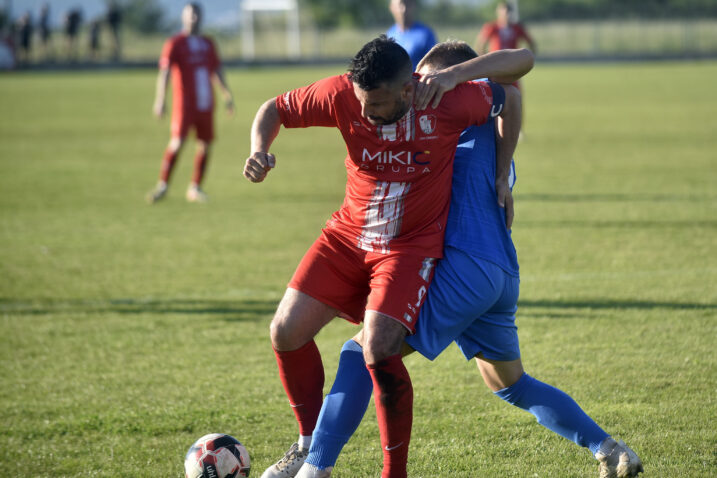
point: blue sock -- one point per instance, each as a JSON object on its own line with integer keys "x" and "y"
{"x": 555, "y": 410}
{"x": 343, "y": 407}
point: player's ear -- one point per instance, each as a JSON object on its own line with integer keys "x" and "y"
{"x": 408, "y": 88}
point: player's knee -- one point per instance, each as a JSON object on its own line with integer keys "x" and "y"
{"x": 280, "y": 332}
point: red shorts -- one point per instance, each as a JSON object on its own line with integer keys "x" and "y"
{"x": 353, "y": 281}
{"x": 203, "y": 124}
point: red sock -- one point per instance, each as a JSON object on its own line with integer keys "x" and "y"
{"x": 302, "y": 374}
{"x": 200, "y": 165}
{"x": 170, "y": 157}
{"x": 393, "y": 394}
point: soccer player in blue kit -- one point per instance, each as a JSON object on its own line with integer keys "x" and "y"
{"x": 415, "y": 37}
{"x": 472, "y": 301}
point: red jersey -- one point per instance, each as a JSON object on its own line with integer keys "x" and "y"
{"x": 399, "y": 175}
{"x": 192, "y": 60}
{"x": 502, "y": 38}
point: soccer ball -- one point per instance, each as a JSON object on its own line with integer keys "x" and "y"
{"x": 217, "y": 456}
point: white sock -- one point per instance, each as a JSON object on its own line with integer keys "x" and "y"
{"x": 304, "y": 442}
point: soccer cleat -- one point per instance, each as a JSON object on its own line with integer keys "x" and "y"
{"x": 159, "y": 191}
{"x": 289, "y": 465}
{"x": 195, "y": 194}
{"x": 617, "y": 460}
{"x": 310, "y": 471}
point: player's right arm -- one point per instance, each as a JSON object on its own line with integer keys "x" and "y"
{"x": 161, "y": 92}
{"x": 312, "y": 105}
{"x": 165, "y": 60}
{"x": 509, "y": 124}
{"x": 264, "y": 130}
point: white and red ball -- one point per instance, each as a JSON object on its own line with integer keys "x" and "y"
{"x": 217, "y": 456}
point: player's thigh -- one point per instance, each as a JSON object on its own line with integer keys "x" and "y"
{"x": 494, "y": 333}
{"x": 334, "y": 274}
{"x": 204, "y": 126}
{"x": 462, "y": 290}
{"x": 399, "y": 285}
{"x": 180, "y": 125}
{"x": 298, "y": 319}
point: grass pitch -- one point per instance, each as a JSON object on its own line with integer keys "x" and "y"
{"x": 128, "y": 331}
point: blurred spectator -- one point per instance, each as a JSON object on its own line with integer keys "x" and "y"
{"x": 503, "y": 33}
{"x": 415, "y": 37}
{"x": 24, "y": 38}
{"x": 73, "y": 20}
{"x": 43, "y": 25}
{"x": 94, "y": 37}
{"x": 114, "y": 21}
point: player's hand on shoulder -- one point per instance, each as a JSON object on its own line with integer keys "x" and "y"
{"x": 432, "y": 86}
{"x": 258, "y": 165}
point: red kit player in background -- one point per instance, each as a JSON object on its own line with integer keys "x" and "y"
{"x": 502, "y": 34}
{"x": 194, "y": 65}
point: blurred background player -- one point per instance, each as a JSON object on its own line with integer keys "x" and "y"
{"x": 114, "y": 21}
{"x": 415, "y": 37}
{"x": 194, "y": 64}
{"x": 503, "y": 33}
{"x": 94, "y": 39}
{"x": 43, "y": 25}
{"x": 72, "y": 23}
{"x": 24, "y": 38}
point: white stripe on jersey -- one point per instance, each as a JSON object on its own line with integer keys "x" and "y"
{"x": 384, "y": 215}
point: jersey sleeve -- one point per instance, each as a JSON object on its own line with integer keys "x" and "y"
{"x": 312, "y": 105}
{"x": 167, "y": 56}
{"x": 477, "y": 102}
{"x": 214, "y": 61}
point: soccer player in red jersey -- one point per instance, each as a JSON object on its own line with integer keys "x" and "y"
{"x": 373, "y": 261}
{"x": 502, "y": 34}
{"x": 194, "y": 64}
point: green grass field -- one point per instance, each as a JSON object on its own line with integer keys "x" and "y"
{"x": 128, "y": 331}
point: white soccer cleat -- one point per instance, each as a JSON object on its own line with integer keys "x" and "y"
{"x": 310, "y": 471}
{"x": 159, "y": 191}
{"x": 289, "y": 465}
{"x": 617, "y": 460}
{"x": 195, "y": 194}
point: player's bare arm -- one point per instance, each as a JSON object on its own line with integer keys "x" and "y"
{"x": 263, "y": 132}
{"x": 506, "y": 141}
{"x": 504, "y": 66}
{"x": 161, "y": 92}
{"x": 221, "y": 82}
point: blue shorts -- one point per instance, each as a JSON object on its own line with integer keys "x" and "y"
{"x": 473, "y": 302}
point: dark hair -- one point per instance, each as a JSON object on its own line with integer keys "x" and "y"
{"x": 196, "y": 7}
{"x": 446, "y": 54}
{"x": 507, "y": 6}
{"x": 380, "y": 61}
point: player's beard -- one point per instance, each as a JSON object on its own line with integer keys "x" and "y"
{"x": 402, "y": 108}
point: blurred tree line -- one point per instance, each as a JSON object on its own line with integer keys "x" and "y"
{"x": 148, "y": 16}
{"x": 362, "y": 13}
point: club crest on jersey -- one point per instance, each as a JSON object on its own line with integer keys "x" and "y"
{"x": 427, "y": 123}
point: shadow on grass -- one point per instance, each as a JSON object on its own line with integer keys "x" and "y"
{"x": 602, "y": 304}
{"x": 231, "y": 310}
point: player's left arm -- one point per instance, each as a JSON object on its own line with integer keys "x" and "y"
{"x": 503, "y": 66}
{"x": 509, "y": 123}
{"x": 221, "y": 82}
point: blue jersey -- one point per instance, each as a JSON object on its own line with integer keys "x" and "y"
{"x": 416, "y": 40}
{"x": 476, "y": 224}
